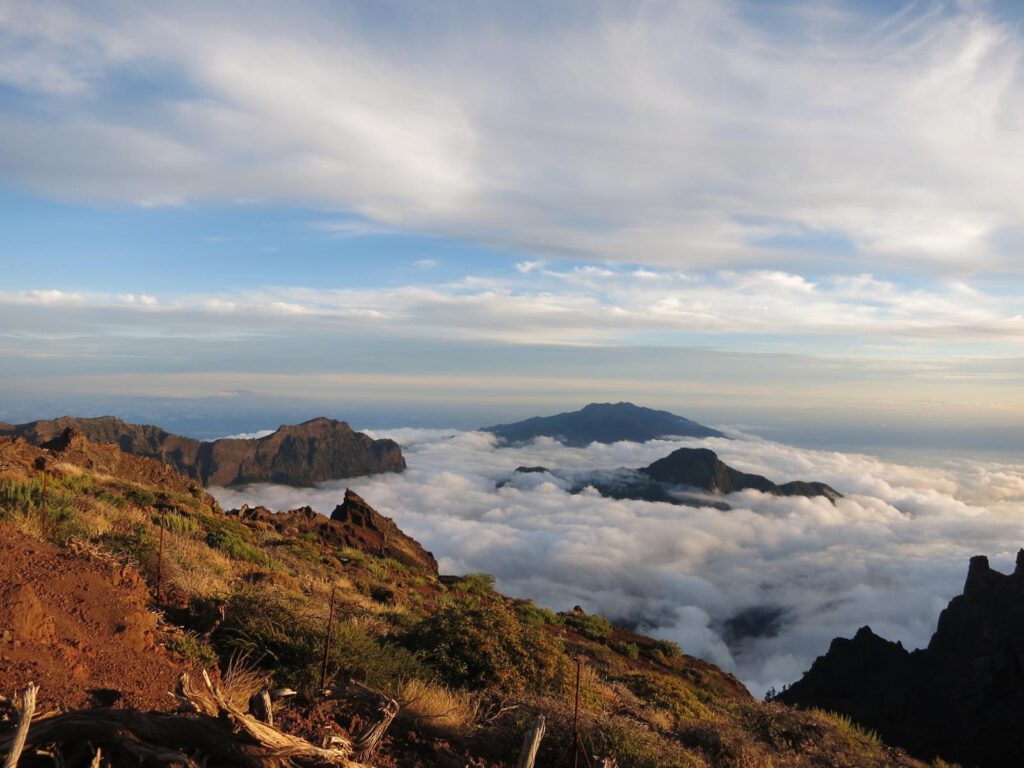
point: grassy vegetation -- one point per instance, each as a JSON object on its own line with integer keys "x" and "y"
{"x": 595, "y": 628}
{"x": 467, "y": 664}
{"x": 482, "y": 643}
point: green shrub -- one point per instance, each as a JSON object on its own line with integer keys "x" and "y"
{"x": 596, "y": 628}
{"x": 670, "y": 649}
{"x": 535, "y": 616}
{"x": 236, "y": 547}
{"x": 195, "y": 649}
{"x": 73, "y": 484}
{"x": 630, "y": 744}
{"x": 662, "y": 652}
{"x": 138, "y": 541}
{"x": 668, "y": 693}
{"x": 51, "y": 515}
{"x": 142, "y": 497}
{"x": 479, "y": 584}
{"x": 480, "y": 644}
{"x": 629, "y": 650}
{"x": 175, "y": 522}
{"x": 291, "y": 644}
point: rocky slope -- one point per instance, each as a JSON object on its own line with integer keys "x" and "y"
{"x": 603, "y": 423}
{"x": 353, "y": 523}
{"x": 961, "y": 698}
{"x": 301, "y": 454}
{"x": 469, "y": 668}
{"x": 687, "y": 476}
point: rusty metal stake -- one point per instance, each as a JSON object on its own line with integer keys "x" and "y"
{"x": 327, "y": 641}
{"x": 46, "y": 477}
{"x": 160, "y": 564}
{"x": 576, "y": 719}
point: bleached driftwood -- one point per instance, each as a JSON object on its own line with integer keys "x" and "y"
{"x": 531, "y": 743}
{"x": 224, "y": 736}
{"x": 385, "y": 710}
{"x": 26, "y": 707}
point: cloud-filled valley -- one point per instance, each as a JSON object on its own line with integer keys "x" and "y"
{"x": 760, "y": 589}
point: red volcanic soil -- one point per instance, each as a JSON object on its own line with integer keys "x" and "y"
{"x": 80, "y": 628}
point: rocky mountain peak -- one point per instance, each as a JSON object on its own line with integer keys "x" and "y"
{"x": 961, "y": 698}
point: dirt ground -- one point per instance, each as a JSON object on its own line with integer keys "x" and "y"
{"x": 80, "y": 628}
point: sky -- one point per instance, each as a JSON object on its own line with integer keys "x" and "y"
{"x": 804, "y": 219}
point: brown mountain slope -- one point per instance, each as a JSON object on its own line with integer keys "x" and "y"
{"x": 470, "y": 668}
{"x": 301, "y": 454}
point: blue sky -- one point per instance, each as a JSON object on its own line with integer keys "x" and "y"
{"x": 797, "y": 212}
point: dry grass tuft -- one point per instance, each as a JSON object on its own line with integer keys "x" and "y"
{"x": 196, "y": 569}
{"x": 241, "y": 680}
{"x": 438, "y": 708}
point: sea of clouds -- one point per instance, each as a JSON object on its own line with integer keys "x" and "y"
{"x": 760, "y": 589}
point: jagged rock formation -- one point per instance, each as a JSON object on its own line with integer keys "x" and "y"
{"x": 603, "y": 423}
{"x": 353, "y": 523}
{"x": 961, "y": 698}
{"x": 301, "y": 454}
{"x": 693, "y": 477}
{"x": 701, "y": 468}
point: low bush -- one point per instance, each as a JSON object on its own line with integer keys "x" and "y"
{"x": 533, "y": 615}
{"x": 479, "y": 644}
{"x": 142, "y": 497}
{"x": 479, "y": 584}
{"x": 629, "y": 650}
{"x": 277, "y": 634}
{"x": 235, "y": 546}
{"x": 595, "y": 628}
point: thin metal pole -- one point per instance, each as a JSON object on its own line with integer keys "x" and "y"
{"x": 46, "y": 476}
{"x": 576, "y": 720}
{"x": 327, "y": 641}
{"x": 160, "y": 564}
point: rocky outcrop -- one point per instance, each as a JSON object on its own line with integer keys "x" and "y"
{"x": 961, "y": 698}
{"x": 302, "y": 454}
{"x": 693, "y": 477}
{"x": 353, "y": 523}
{"x": 701, "y": 468}
{"x": 603, "y": 423}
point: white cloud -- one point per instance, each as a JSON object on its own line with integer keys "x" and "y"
{"x": 890, "y": 554}
{"x": 43, "y": 296}
{"x": 598, "y": 305}
{"x": 141, "y": 299}
{"x": 676, "y": 134}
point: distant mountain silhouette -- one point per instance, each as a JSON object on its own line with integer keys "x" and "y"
{"x": 961, "y": 698}
{"x": 701, "y": 468}
{"x": 687, "y": 476}
{"x": 603, "y": 423}
{"x": 301, "y": 454}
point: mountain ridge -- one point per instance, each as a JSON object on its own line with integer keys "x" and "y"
{"x": 301, "y": 454}
{"x": 672, "y": 478}
{"x": 602, "y": 423}
{"x": 960, "y": 698}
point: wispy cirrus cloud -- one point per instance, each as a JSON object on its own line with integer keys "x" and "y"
{"x": 600, "y": 305}
{"x": 687, "y": 135}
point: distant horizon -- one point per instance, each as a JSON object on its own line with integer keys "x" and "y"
{"x": 212, "y": 418}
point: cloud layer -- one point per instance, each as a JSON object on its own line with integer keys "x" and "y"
{"x": 891, "y": 554}
{"x": 682, "y": 134}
